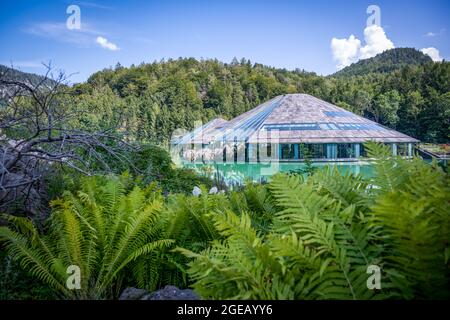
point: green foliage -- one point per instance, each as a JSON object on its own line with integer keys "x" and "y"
{"x": 328, "y": 229}
{"x": 16, "y": 284}
{"x": 295, "y": 238}
{"x": 187, "y": 220}
{"x": 103, "y": 229}
{"x": 257, "y": 202}
{"x": 413, "y": 216}
{"x": 401, "y": 88}
{"x": 14, "y": 74}
{"x": 309, "y": 168}
{"x": 386, "y": 61}
{"x": 154, "y": 164}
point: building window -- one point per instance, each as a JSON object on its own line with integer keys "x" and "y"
{"x": 402, "y": 149}
{"x": 257, "y": 152}
{"x": 313, "y": 151}
{"x": 345, "y": 150}
{"x": 287, "y": 151}
{"x": 246, "y": 152}
{"x": 362, "y": 150}
{"x": 264, "y": 150}
{"x": 331, "y": 150}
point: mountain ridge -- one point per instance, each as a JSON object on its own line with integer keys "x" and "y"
{"x": 385, "y": 62}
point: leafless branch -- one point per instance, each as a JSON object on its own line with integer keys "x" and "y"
{"x": 35, "y": 135}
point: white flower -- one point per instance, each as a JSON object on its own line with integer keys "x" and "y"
{"x": 196, "y": 191}
{"x": 213, "y": 190}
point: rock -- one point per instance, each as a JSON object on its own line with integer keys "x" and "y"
{"x": 166, "y": 293}
{"x": 132, "y": 294}
{"x": 171, "y": 293}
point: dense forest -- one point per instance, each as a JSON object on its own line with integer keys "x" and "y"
{"x": 385, "y": 62}
{"x": 400, "y": 88}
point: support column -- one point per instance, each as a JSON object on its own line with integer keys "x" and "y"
{"x": 357, "y": 150}
{"x": 296, "y": 151}
{"x": 410, "y": 153}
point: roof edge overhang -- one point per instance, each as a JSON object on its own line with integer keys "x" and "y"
{"x": 334, "y": 140}
{"x": 308, "y": 140}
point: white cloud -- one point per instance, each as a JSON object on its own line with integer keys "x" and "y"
{"x": 348, "y": 51}
{"x": 60, "y": 32}
{"x": 93, "y": 5}
{"x": 105, "y": 43}
{"x": 432, "y": 34}
{"x": 433, "y": 53}
{"x": 376, "y": 42}
{"x": 345, "y": 51}
{"x": 82, "y": 37}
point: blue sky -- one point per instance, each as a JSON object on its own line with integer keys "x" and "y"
{"x": 286, "y": 34}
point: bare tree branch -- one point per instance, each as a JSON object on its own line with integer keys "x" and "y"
{"x": 35, "y": 135}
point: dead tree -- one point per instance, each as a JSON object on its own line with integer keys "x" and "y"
{"x": 37, "y": 133}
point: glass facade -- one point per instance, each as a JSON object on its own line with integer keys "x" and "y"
{"x": 296, "y": 151}
{"x": 287, "y": 151}
{"x": 363, "y": 151}
{"x": 314, "y": 151}
{"x": 345, "y": 150}
{"x": 402, "y": 149}
{"x": 266, "y": 152}
{"x": 269, "y": 150}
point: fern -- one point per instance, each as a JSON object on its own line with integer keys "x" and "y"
{"x": 103, "y": 229}
{"x": 414, "y": 222}
{"x": 187, "y": 220}
{"x": 324, "y": 233}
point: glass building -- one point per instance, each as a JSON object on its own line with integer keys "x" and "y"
{"x": 291, "y": 127}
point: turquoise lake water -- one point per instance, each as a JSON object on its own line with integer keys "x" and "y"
{"x": 237, "y": 173}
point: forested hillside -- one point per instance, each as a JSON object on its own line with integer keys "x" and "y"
{"x": 384, "y": 62}
{"x": 151, "y": 100}
{"x": 15, "y": 74}
{"x": 400, "y": 88}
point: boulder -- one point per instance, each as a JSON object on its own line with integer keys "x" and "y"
{"x": 132, "y": 294}
{"x": 171, "y": 293}
{"x": 166, "y": 293}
